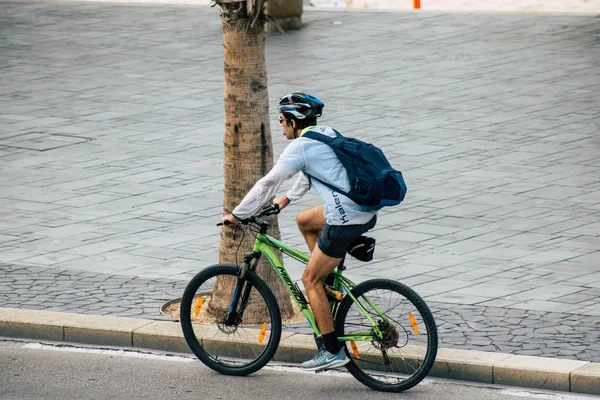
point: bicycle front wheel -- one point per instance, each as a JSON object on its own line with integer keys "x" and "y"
{"x": 395, "y": 351}
{"x": 236, "y": 340}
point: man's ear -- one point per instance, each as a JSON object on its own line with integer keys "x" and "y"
{"x": 293, "y": 121}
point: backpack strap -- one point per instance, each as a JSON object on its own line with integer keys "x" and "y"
{"x": 317, "y": 136}
{"x": 320, "y": 137}
{"x": 328, "y": 141}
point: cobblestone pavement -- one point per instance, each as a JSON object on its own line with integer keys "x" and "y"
{"x": 111, "y": 173}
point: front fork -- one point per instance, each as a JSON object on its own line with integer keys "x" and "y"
{"x": 242, "y": 290}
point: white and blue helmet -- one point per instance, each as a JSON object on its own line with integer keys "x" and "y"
{"x": 301, "y": 105}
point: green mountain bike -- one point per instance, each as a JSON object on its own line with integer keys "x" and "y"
{"x": 388, "y": 331}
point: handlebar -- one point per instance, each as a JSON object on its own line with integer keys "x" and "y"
{"x": 268, "y": 210}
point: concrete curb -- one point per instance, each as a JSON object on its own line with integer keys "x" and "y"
{"x": 475, "y": 366}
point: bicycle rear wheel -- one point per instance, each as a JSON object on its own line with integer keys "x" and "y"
{"x": 405, "y": 353}
{"x": 236, "y": 341}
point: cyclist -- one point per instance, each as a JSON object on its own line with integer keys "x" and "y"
{"x": 329, "y": 228}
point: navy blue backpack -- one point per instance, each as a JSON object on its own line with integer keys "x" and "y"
{"x": 374, "y": 183}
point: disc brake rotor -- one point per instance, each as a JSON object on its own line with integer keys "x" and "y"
{"x": 228, "y": 328}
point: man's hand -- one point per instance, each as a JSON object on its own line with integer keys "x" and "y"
{"x": 231, "y": 220}
{"x": 282, "y": 202}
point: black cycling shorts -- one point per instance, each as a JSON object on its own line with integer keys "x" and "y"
{"x": 334, "y": 240}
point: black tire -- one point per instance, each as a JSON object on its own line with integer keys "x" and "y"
{"x": 411, "y": 349}
{"x": 231, "y": 349}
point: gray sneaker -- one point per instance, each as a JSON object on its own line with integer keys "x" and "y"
{"x": 326, "y": 360}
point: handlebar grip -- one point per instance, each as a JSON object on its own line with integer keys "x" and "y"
{"x": 225, "y": 223}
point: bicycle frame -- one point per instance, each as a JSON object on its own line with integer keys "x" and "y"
{"x": 266, "y": 245}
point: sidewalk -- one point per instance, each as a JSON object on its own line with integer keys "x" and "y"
{"x": 111, "y": 173}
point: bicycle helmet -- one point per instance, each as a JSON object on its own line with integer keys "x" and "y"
{"x": 301, "y": 105}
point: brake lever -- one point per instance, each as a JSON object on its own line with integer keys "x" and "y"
{"x": 268, "y": 210}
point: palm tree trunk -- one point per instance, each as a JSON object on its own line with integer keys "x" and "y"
{"x": 248, "y": 146}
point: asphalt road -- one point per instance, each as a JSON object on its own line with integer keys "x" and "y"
{"x": 36, "y": 371}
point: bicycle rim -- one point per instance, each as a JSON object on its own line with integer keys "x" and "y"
{"x": 235, "y": 347}
{"x": 406, "y": 352}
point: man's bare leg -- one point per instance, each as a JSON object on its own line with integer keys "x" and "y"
{"x": 318, "y": 268}
{"x": 311, "y": 222}
{"x": 332, "y": 355}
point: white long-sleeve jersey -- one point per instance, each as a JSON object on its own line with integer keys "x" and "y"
{"x": 312, "y": 158}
